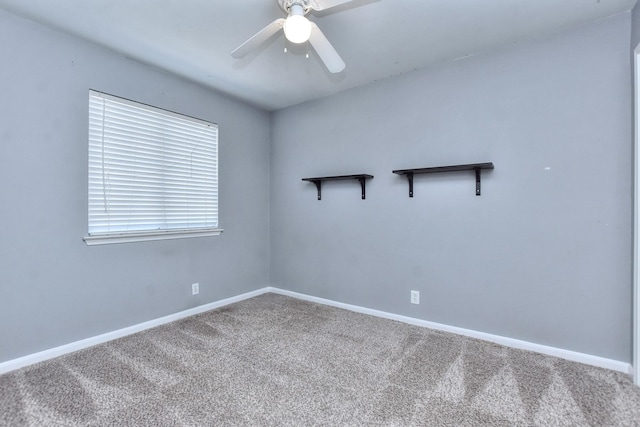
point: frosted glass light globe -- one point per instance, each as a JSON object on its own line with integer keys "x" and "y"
{"x": 297, "y": 29}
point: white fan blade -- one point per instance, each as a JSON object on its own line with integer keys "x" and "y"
{"x": 259, "y": 38}
{"x": 325, "y": 51}
{"x": 326, "y": 4}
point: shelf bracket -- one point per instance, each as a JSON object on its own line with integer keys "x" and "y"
{"x": 318, "y": 183}
{"x": 410, "y": 179}
{"x": 362, "y": 184}
{"x": 477, "y": 181}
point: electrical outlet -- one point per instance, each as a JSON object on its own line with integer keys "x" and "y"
{"x": 195, "y": 288}
{"x": 415, "y": 297}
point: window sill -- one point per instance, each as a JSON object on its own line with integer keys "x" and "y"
{"x": 107, "y": 239}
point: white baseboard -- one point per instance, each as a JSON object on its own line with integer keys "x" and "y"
{"x": 587, "y": 359}
{"x": 509, "y": 342}
{"x": 31, "y": 359}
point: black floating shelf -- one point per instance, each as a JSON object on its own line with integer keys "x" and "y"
{"x": 477, "y": 167}
{"x": 318, "y": 181}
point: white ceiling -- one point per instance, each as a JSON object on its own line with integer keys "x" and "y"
{"x": 376, "y": 38}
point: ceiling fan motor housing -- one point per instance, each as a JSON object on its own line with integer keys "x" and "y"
{"x": 287, "y": 4}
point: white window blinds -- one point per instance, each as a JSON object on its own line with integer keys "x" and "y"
{"x": 150, "y": 170}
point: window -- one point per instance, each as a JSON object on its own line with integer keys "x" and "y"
{"x": 153, "y": 174}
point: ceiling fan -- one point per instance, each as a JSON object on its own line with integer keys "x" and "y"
{"x": 298, "y": 29}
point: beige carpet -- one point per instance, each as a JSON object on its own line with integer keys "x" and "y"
{"x": 273, "y": 360}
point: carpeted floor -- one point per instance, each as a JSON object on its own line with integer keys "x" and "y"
{"x": 274, "y": 360}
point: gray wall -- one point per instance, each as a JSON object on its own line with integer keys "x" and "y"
{"x": 544, "y": 255}
{"x": 53, "y": 288}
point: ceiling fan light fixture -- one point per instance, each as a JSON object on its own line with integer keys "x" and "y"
{"x": 297, "y": 28}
